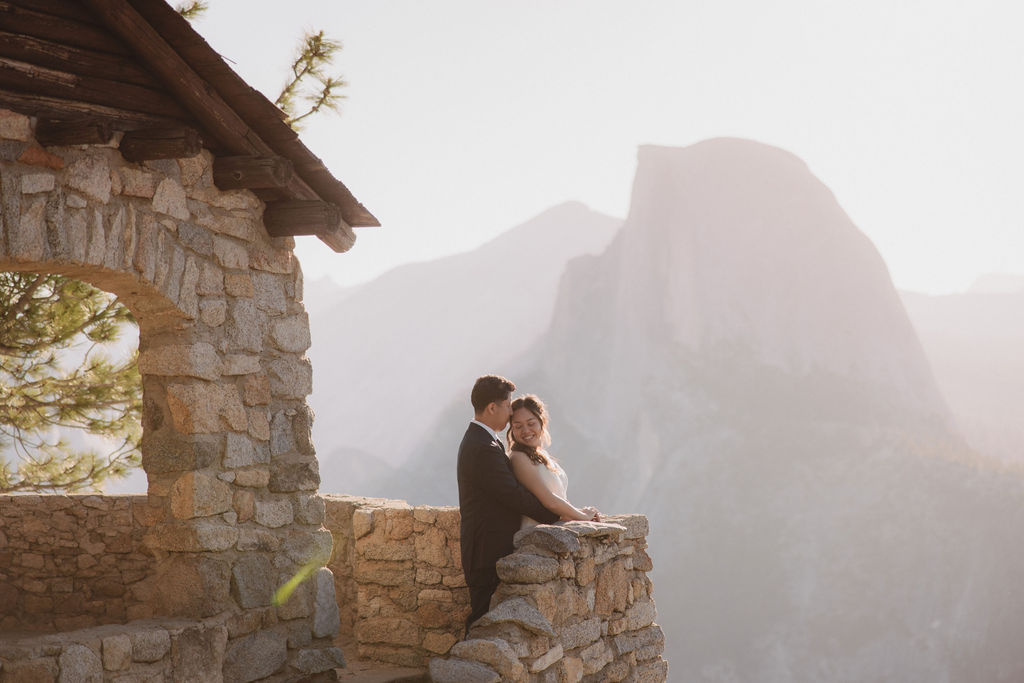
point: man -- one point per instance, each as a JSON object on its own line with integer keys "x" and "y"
{"x": 492, "y": 502}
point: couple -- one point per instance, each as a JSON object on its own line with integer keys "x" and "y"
{"x": 500, "y": 492}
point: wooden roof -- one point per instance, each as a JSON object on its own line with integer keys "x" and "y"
{"x": 137, "y": 65}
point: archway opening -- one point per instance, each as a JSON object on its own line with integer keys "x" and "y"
{"x": 70, "y": 390}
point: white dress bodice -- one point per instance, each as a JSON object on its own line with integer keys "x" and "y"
{"x": 556, "y": 481}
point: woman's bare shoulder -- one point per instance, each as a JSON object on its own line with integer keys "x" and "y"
{"x": 519, "y": 456}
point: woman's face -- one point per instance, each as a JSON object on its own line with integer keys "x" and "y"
{"x": 527, "y": 428}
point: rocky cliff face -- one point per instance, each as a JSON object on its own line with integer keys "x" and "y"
{"x": 738, "y": 298}
{"x": 734, "y": 251}
{"x": 738, "y": 367}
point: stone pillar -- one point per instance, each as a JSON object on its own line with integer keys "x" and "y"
{"x": 232, "y": 511}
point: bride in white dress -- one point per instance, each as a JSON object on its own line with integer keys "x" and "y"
{"x": 535, "y": 469}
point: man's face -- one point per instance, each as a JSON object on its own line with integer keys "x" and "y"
{"x": 500, "y": 414}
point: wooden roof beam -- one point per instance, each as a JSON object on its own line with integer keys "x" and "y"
{"x": 303, "y": 217}
{"x": 45, "y": 106}
{"x": 31, "y": 78}
{"x": 251, "y": 172}
{"x": 147, "y": 144}
{"x": 53, "y": 21}
{"x": 73, "y": 60}
{"x": 202, "y": 100}
{"x": 52, "y": 133}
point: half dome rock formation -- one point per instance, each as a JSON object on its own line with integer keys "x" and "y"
{"x": 737, "y": 366}
{"x": 734, "y": 253}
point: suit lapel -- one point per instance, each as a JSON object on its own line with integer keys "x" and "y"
{"x": 490, "y": 439}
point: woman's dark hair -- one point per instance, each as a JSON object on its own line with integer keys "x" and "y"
{"x": 490, "y": 389}
{"x": 540, "y": 411}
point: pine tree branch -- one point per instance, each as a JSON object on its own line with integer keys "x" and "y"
{"x": 95, "y": 319}
{"x": 288, "y": 92}
{"x": 315, "y": 53}
{"x": 192, "y": 10}
{"x": 41, "y": 317}
{"x": 326, "y": 98}
{"x": 12, "y": 313}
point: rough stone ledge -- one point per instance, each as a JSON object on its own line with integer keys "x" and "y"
{"x": 572, "y": 606}
{"x": 146, "y": 637}
{"x": 520, "y": 612}
{"x": 461, "y": 671}
{"x": 173, "y": 649}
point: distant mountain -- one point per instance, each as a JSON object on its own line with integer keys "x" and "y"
{"x": 738, "y": 289}
{"x": 975, "y": 344}
{"x": 392, "y": 354}
{"x": 998, "y": 283}
{"x": 740, "y": 284}
{"x": 322, "y": 293}
{"x": 738, "y": 366}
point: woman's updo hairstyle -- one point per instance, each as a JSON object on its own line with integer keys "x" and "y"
{"x": 540, "y": 411}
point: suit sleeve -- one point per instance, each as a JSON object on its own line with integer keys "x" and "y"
{"x": 494, "y": 477}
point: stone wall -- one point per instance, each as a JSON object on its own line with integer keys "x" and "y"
{"x": 143, "y": 651}
{"x": 575, "y": 601}
{"x": 398, "y": 578}
{"x": 574, "y": 604}
{"x": 232, "y": 508}
{"x": 69, "y": 562}
{"x": 157, "y": 650}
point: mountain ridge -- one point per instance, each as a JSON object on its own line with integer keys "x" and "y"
{"x": 812, "y": 506}
{"x": 460, "y": 312}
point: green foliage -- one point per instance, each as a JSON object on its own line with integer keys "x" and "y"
{"x": 192, "y": 10}
{"x": 310, "y": 83}
{"x": 48, "y": 323}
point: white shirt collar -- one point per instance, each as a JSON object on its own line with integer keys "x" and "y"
{"x": 489, "y": 430}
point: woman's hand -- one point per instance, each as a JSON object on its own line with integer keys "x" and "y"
{"x": 591, "y": 512}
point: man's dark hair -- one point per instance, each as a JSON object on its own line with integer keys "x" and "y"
{"x": 490, "y": 389}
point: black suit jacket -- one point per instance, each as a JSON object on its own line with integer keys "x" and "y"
{"x": 492, "y": 503}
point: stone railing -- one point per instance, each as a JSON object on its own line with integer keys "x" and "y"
{"x": 70, "y": 562}
{"x": 76, "y": 604}
{"x": 173, "y": 650}
{"x": 574, "y": 605}
{"x": 398, "y": 578}
{"x": 164, "y": 650}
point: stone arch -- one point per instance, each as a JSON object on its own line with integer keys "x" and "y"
{"x": 161, "y": 322}
{"x": 232, "y": 505}
{"x": 66, "y": 224}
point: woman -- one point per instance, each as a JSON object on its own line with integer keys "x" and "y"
{"x": 534, "y": 468}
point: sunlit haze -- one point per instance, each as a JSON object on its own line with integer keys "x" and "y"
{"x": 463, "y": 119}
{"x": 677, "y": 223}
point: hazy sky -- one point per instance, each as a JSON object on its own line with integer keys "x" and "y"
{"x": 466, "y": 117}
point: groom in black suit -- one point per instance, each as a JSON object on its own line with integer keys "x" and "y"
{"x": 491, "y": 500}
